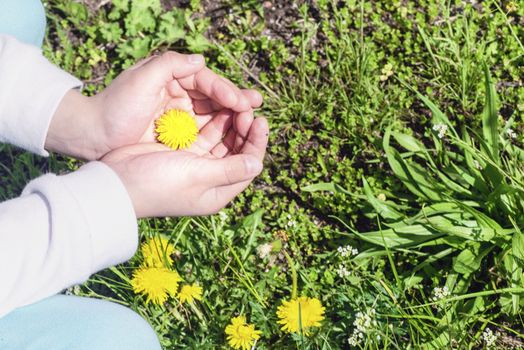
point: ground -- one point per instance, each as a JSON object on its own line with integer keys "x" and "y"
{"x": 356, "y": 93}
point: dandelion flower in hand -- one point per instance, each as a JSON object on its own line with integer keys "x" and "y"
{"x": 189, "y": 293}
{"x": 240, "y": 334}
{"x": 157, "y": 252}
{"x": 156, "y": 283}
{"x": 176, "y": 129}
{"x": 310, "y": 315}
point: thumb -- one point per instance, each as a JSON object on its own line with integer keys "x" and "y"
{"x": 171, "y": 65}
{"x": 233, "y": 169}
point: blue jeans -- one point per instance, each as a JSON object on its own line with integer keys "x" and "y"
{"x": 68, "y": 322}
{"x": 65, "y": 322}
{"x": 23, "y": 19}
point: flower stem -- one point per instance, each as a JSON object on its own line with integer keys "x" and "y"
{"x": 293, "y": 275}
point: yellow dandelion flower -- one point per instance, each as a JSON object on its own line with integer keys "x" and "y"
{"x": 189, "y": 293}
{"x": 157, "y": 252}
{"x": 156, "y": 283}
{"x": 311, "y": 313}
{"x": 176, "y": 129}
{"x": 240, "y": 334}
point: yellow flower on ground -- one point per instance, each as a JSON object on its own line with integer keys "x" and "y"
{"x": 176, "y": 129}
{"x": 189, "y": 293}
{"x": 240, "y": 334}
{"x": 310, "y": 314}
{"x": 157, "y": 252}
{"x": 156, "y": 283}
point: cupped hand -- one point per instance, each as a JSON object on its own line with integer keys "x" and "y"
{"x": 138, "y": 96}
{"x": 197, "y": 181}
{"x": 124, "y": 113}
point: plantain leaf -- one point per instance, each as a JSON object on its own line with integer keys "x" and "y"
{"x": 490, "y": 127}
{"x": 382, "y": 208}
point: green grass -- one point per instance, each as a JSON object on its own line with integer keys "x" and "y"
{"x": 340, "y": 81}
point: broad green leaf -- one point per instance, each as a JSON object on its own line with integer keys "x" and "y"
{"x": 451, "y": 227}
{"x": 517, "y": 247}
{"x": 326, "y": 186}
{"x": 382, "y": 208}
{"x": 409, "y": 142}
{"x": 468, "y": 261}
{"x": 411, "y": 174}
{"x": 490, "y": 127}
{"x": 406, "y": 236}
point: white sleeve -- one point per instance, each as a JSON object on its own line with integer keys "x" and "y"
{"x": 60, "y": 231}
{"x": 31, "y": 88}
{"x": 63, "y": 228}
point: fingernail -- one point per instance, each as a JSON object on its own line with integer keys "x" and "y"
{"x": 195, "y": 59}
{"x": 254, "y": 166}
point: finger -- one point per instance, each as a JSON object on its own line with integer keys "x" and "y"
{"x": 254, "y": 97}
{"x": 230, "y": 170}
{"x": 255, "y": 146}
{"x": 257, "y": 139}
{"x": 197, "y": 95}
{"x": 226, "y": 146}
{"x": 213, "y": 132}
{"x": 243, "y": 103}
{"x": 141, "y": 62}
{"x": 217, "y": 88}
{"x": 242, "y": 123}
{"x": 206, "y": 106}
{"x": 171, "y": 65}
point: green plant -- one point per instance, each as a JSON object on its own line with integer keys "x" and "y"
{"x": 470, "y": 187}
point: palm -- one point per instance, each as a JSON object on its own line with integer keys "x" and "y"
{"x": 197, "y": 181}
{"x": 137, "y": 97}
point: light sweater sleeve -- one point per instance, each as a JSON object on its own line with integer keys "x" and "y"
{"x": 60, "y": 231}
{"x": 31, "y": 88}
{"x": 62, "y": 228}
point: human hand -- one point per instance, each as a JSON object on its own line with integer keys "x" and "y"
{"x": 124, "y": 113}
{"x": 197, "y": 181}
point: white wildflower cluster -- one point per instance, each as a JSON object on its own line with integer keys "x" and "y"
{"x": 74, "y": 290}
{"x": 342, "y": 271}
{"x": 511, "y": 134}
{"x": 291, "y": 223}
{"x": 387, "y": 71}
{"x": 489, "y": 338}
{"x": 223, "y": 216}
{"x": 264, "y": 250}
{"x": 476, "y": 164}
{"x": 364, "y": 323}
{"x": 347, "y": 251}
{"x": 440, "y": 293}
{"x": 441, "y": 129}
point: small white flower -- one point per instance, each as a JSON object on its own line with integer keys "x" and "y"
{"x": 354, "y": 340}
{"x": 441, "y": 129}
{"x": 440, "y": 293}
{"x": 476, "y": 164}
{"x": 222, "y": 215}
{"x": 342, "y": 271}
{"x": 264, "y": 250}
{"x": 74, "y": 290}
{"x": 381, "y": 197}
{"x": 347, "y": 251}
{"x": 489, "y": 337}
{"x": 511, "y": 133}
{"x": 291, "y": 223}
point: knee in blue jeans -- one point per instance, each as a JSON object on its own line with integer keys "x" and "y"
{"x": 67, "y": 322}
{"x": 23, "y": 19}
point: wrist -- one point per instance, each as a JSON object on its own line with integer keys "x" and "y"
{"x": 73, "y": 129}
